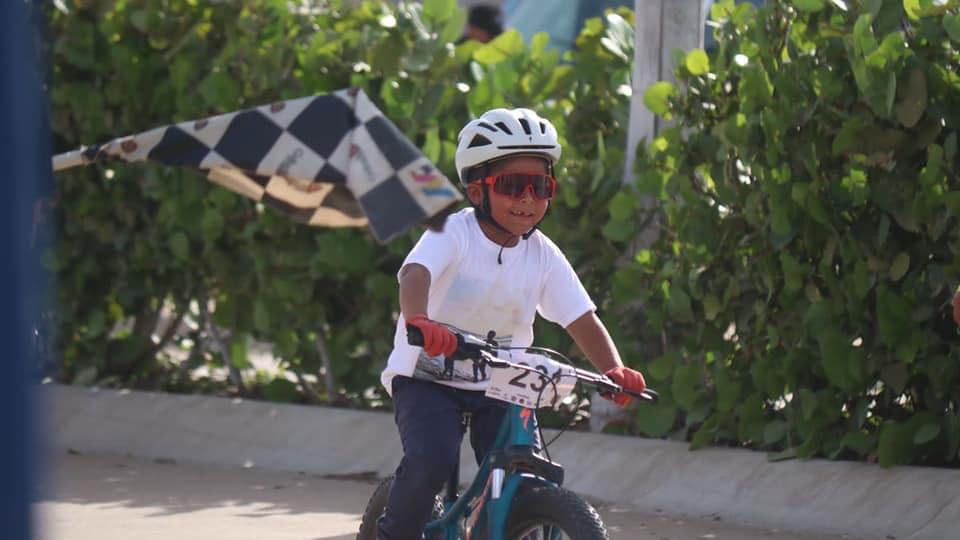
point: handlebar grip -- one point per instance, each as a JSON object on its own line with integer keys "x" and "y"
{"x": 414, "y": 336}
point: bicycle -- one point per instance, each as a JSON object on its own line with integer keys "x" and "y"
{"x": 517, "y": 493}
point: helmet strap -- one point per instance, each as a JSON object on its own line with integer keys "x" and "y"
{"x": 486, "y": 214}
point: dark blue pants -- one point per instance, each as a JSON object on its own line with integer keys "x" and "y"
{"x": 429, "y": 418}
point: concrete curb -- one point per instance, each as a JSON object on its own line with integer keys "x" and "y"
{"x": 739, "y": 486}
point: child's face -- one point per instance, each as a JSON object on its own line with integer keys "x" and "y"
{"x": 518, "y": 215}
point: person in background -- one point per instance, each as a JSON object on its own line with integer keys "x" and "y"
{"x": 483, "y": 24}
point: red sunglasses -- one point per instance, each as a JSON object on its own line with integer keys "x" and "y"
{"x": 541, "y": 186}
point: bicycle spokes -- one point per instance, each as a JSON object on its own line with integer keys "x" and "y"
{"x": 543, "y": 532}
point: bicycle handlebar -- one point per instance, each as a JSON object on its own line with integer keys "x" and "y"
{"x": 472, "y": 348}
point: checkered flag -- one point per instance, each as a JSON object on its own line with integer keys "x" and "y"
{"x": 330, "y": 161}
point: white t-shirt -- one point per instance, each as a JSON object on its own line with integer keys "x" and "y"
{"x": 471, "y": 291}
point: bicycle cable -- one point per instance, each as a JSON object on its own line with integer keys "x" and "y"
{"x": 553, "y": 382}
{"x": 563, "y": 429}
{"x": 556, "y": 395}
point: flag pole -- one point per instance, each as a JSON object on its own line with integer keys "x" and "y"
{"x": 70, "y": 159}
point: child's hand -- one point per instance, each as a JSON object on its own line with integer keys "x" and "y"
{"x": 437, "y": 338}
{"x": 629, "y": 379}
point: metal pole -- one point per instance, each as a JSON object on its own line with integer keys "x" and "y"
{"x": 662, "y": 26}
{"x": 70, "y": 159}
{"x": 24, "y": 151}
{"x": 646, "y": 71}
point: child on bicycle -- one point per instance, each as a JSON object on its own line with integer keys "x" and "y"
{"x": 490, "y": 269}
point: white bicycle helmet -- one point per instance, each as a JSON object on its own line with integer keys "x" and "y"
{"x": 504, "y": 132}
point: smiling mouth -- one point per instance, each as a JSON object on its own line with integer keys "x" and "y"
{"x": 516, "y": 213}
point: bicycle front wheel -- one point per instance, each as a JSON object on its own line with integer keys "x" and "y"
{"x": 553, "y": 513}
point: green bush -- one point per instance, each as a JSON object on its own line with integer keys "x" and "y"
{"x": 142, "y": 244}
{"x": 807, "y": 198}
{"x": 810, "y": 240}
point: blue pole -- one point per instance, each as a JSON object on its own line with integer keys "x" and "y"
{"x": 24, "y": 174}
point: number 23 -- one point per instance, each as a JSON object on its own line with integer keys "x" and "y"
{"x": 518, "y": 380}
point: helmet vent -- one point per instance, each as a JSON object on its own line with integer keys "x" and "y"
{"x": 525, "y": 125}
{"x": 503, "y": 133}
{"x": 479, "y": 140}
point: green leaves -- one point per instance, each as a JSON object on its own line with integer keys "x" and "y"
{"x": 180, "y": 246}
{"x": 893, "y": 315}
{"x": 858, "y": 441}
{"x": 220, "y": 91}
{"x": 788, "y": 245}
{"x": 863, "y": 38}
{"x": 711, "y": 307}
{"x": 918, "y": 9}
{"x": 912, "y": 8}
{"x": 899, "y": 440}
{"x": 77, "y": 46}
{"x": 756, "y": 89}
{"x": 261, "y": 315}
{"x": 281, "y": 390}
{"x": 697, "y": 62}
{"x": 503, "y": 46}
{"x": 657, "y": 420}
{"x": 621, "y": 206}
{"x": 385, "y": 56}
{"x": 926, "y": 433}
{"x": 809, "y": 6}
{"x": 657, "y": 98}
{"x": 439, "y": 10}
{"x": 661, "y": 368}
{"x": 951, "y": 24}
{"x": 212, "y": 225}
{"x": 899, "y": 266}
{"x": 910, "y": 108}
{"x": 774, "y": 432}
{"x": 152, "y": 235}
{"x": 875, "y": 64}
{"x": 855, "y": 185}
{"x": 815, "y": 224}
{"x": 679, "y": 305}
{"x": 835, "y": 351}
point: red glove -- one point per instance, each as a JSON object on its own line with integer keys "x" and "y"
{"x": 437, "y": 338}
{"x": 956, "y": 307}
{"x": 629, "y": 379}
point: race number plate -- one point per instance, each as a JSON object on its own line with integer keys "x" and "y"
{"x": 552, "y": 381}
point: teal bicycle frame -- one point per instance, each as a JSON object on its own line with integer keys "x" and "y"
{"x": 482, "y": 510}
{"x": 485, "y": 504}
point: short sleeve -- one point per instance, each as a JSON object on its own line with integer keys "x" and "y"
{"x": 435, "y": 250}
{"x": 563, "y": 298}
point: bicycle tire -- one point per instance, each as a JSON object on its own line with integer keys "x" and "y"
{"x": 557, "y": 508}
{"x": 376, "y": 506}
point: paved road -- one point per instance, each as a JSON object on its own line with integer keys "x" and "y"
{"x": 107, "y": 498}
